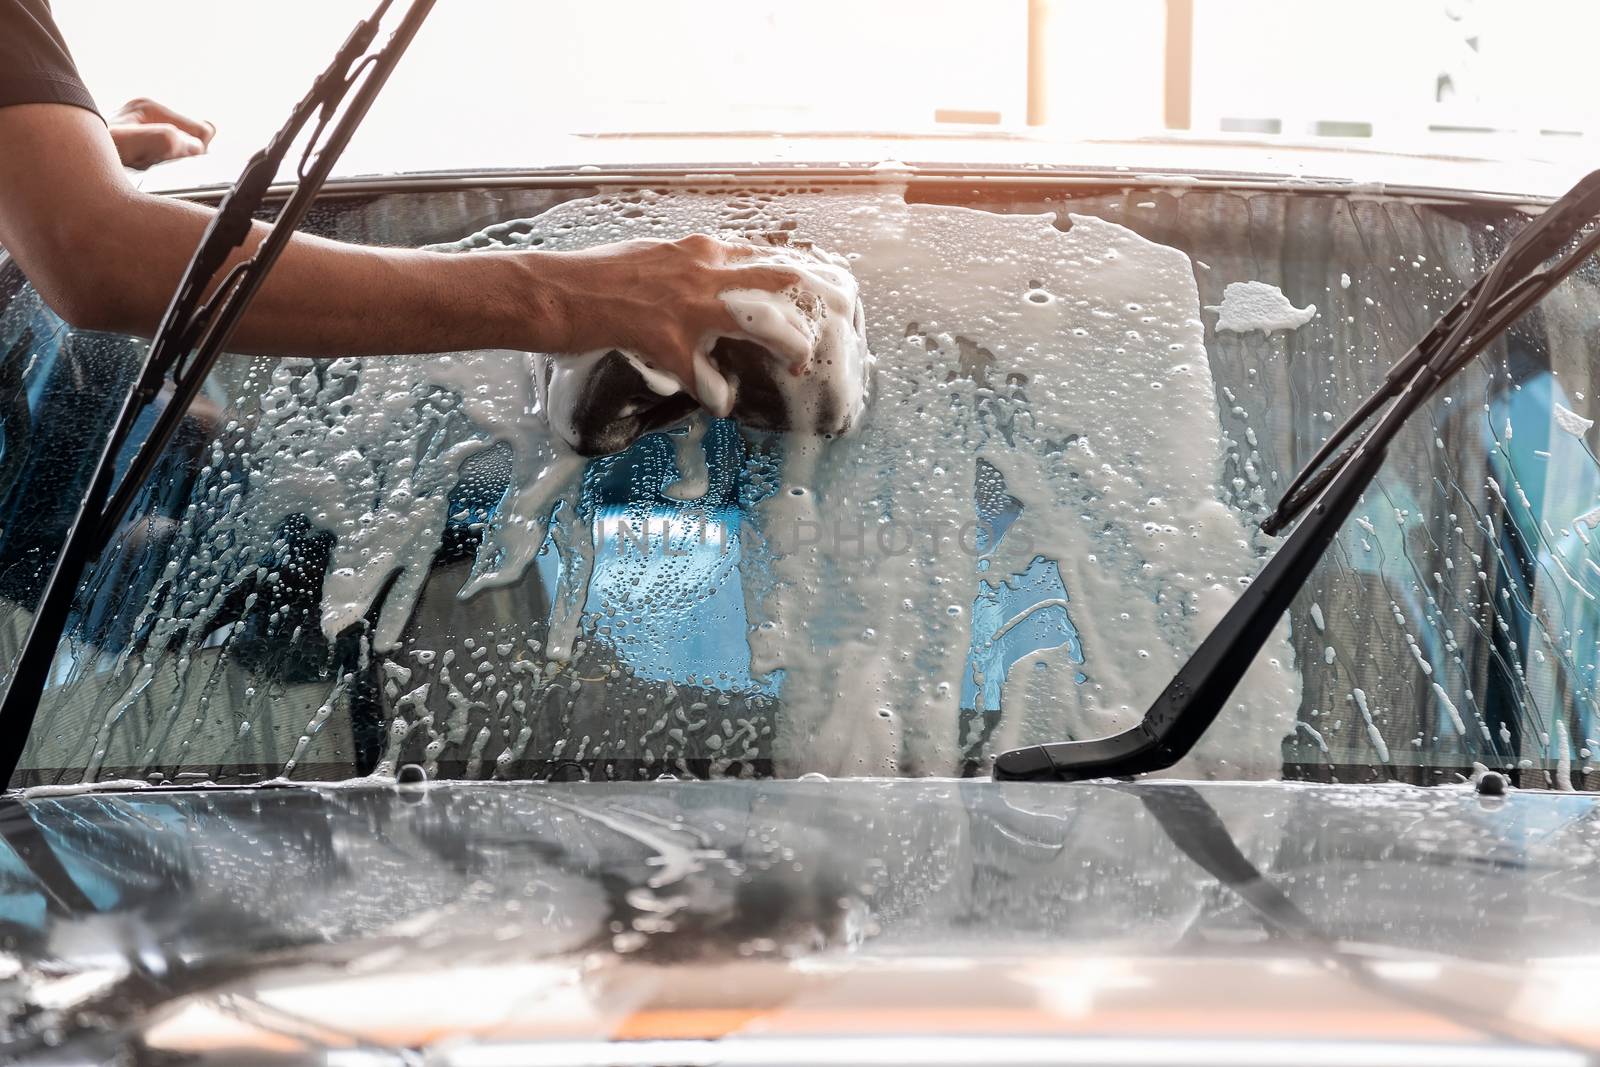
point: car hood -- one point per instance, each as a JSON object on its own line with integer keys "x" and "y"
{"x": 674, "y": 917}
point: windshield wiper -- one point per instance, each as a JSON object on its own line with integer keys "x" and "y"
{"x": 1328, "y": 487}
{"x": 195, "y": 329}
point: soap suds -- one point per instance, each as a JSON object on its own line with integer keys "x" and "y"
{"x": 1096, "y": 407}
{"x": 1571, "y": 421}
{"x": 1450, "y": 709}
{"x": 1250, "y": 306}
{"x": 812, "y": 354}
{"x": 807, "y": 372}
{"x": 1373, "y": 733}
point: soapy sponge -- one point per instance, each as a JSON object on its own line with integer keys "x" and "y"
{"x": 601, "y": 402}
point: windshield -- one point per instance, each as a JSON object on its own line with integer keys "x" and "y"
{"x": 491, "y": 83}
{"x": 1083, "y": 402}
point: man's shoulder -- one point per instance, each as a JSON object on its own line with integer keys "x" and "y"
{"x": 36, "y": 67}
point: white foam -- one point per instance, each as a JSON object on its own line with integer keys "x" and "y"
{"x": 1571, "y": 421}
{"x": 110, "y": 785}
{"x": 1450, "y": 709}
{"x": 819, "y": 324}
{"x": 816, "y": 326}
{"x": 1374, "y": 735}
{"x": 1250, "y": 306}
{"x": 1096, "y": 404}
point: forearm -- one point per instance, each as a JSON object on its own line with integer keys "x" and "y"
{"x": 329, "y": 298}
{"x": 106, "y": 256}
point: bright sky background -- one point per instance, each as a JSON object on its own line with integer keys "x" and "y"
{"x": 512, "y": 73}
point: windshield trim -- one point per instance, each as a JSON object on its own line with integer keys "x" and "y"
{"x": 134, "y": 787}
{"x": 912, "y": 175}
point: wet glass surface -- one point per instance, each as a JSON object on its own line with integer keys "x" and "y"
{"x": 1453, "y": 621}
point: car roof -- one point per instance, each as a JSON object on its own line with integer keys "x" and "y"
{"x": 1349, "y": 165}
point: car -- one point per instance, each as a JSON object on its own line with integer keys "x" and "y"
{"x": 390, "y": 730}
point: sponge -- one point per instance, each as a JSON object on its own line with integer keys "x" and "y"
{"x": 601, "y": 402}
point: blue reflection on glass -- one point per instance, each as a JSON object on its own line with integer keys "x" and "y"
{"x": 1017, "y": 615}
{"x": 645, "y": 539}
{"x": 1550, "y": 485}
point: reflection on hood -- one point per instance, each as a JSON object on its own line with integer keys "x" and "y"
{"x": 120, "y": 910}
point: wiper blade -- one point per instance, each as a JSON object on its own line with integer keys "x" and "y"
{"x": 194, "y": 331}
{"x": 1198, "y": 692}
{"x": 1469, "y": 324}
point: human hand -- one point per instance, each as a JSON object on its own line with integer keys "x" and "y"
{"x": 147, "y": 133}
{"x": 661, "y": 301}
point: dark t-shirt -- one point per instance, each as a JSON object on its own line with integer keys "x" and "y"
{"x": 35, "y": 66}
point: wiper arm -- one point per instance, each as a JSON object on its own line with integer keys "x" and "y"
{"x": 1197, "y": 693}
{"x": 195, "y": 329}
{"x": 1521, "y": 284}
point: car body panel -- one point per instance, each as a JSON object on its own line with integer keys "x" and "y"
{"x": 461, "y": 916}
{"x": 890, "y": 157}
